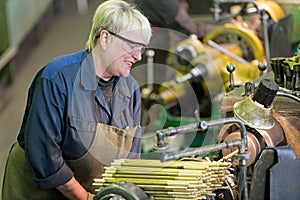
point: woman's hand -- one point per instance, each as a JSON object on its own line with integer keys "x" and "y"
{"x": 73, "y": 190}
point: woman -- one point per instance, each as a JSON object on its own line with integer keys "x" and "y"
{"x": 82, "y": 112}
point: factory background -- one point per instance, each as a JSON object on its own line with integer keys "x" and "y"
{"x": 55, "y": 28}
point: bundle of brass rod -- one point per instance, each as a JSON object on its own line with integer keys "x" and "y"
{"x": 168, "y": 180}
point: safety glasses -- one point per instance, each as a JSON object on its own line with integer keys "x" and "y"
{"x": 129, "y": 45}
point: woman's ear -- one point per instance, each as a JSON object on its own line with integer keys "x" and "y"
{"x": 104, "y": 38}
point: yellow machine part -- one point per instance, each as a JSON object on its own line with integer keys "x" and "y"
{"x": 170, "y": 91}
{"x": 214, "y": 61}
{"x": 243, "y": 71}
{"x": 195, "y": 48}
{"x": 248, "y": 41}
{"x": 238, "y": 40}
{"x": 272, "y": 8}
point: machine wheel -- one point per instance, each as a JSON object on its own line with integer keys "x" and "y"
{"x": 121, "y": 191}
{"x": 249, "y": 43}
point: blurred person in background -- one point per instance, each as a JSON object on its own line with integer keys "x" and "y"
{"x": 83, "y": 111}
{"x": 170, "y": 15}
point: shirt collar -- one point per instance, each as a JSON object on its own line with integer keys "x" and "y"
{"x": 87, "y": 72}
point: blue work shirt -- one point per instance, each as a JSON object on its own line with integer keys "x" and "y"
{"x": 60, "y": 119}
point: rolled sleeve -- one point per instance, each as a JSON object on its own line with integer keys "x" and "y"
{"x": 63, "y": 175}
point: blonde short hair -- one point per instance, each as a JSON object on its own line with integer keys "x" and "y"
{"x": 116, "y": 16}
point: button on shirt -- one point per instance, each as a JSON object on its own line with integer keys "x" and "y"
{"x": 60, "y": 120}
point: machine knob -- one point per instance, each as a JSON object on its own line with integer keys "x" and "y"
{"x": 265, "y": 92}
{"x": 230, "y": 68}
{"x": 249, "y": 88}
{"x": 262, "y": 67}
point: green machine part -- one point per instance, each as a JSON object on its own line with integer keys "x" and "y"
{"x": 4, "y": 41}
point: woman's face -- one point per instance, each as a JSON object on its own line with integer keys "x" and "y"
{"x": 123, "y": 51}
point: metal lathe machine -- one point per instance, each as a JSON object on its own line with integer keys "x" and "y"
{"x": 242, "y": 140}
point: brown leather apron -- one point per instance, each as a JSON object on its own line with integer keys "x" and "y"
{"x": 109, "y": 143}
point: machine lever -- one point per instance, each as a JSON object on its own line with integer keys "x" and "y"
{"x": 198, "y": 70}
{"x": 230, "y": 68}
{"x": 226, "y": 52}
